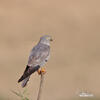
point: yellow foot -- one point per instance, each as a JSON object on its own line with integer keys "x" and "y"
{"x": 39, "y": 71}
{"x": 42, "y": 70}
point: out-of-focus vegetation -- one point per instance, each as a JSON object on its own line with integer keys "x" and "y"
{"x": 2, "y": 97}
{"x": 22, "y": 96}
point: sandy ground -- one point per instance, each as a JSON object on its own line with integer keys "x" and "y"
{"x": 75, "y": 52}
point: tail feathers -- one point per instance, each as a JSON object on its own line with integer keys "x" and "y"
{"x": 24, "y": 82}
{"x": 28, "y": 71}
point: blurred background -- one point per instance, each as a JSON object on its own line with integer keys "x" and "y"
{"x": 74, "y": 65}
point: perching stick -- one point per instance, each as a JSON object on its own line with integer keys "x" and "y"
{"x": 41, "y": 86}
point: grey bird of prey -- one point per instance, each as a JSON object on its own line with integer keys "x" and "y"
{"x": 39, "y": 55}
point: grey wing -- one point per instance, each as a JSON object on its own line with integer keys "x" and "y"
{"x": 37, "y": 58}
{"x": 39, "y": 55}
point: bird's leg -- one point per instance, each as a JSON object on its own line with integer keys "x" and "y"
{"x": 41, "y": 70}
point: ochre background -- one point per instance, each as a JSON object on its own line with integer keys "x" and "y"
{"x": 74, "y": 65}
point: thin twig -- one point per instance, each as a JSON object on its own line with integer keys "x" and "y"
{"x": 41, "y": 86}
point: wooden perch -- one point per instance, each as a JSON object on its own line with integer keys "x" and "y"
{"x": 41, "y": 86}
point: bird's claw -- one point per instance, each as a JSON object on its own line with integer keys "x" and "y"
{"x": 42, "y": 70}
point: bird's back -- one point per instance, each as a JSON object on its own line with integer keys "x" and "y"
{"x": 38, "y": 54}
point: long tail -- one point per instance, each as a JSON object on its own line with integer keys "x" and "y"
{"x": 28, "y": 71}
{"x": 24, "y": 82}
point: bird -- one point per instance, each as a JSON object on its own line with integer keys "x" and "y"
{"x": 39, "y": 55}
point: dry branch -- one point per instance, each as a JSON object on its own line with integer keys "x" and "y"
{"x": 41, "y": 86}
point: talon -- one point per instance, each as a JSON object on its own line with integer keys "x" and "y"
{"x": 39, "y": 71}
{"x": 42, "y": 70}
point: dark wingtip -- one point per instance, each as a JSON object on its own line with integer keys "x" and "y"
{"x": 26, "y": 74}
{"x": 20, "y": 79}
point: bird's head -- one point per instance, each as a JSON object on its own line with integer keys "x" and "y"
{"x": 46, "y": 39}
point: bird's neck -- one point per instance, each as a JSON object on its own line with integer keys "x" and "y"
{"x": 45, "y": 42}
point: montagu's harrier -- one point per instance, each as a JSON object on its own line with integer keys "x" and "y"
{"x": 38, "y": 57}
